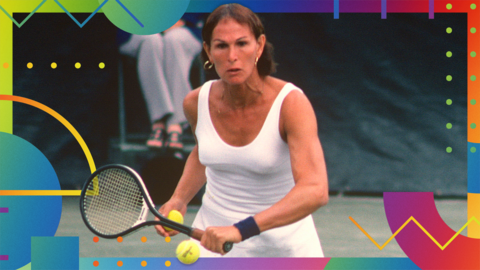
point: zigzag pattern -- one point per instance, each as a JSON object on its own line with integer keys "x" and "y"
{"x": 69, "y": 14}
{"x": 421, "y": 227}
{"x": 26, "y": 19}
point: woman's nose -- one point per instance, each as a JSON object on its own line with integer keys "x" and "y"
{"x": 232, "y": 55}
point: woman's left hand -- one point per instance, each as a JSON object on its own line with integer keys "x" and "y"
{"x": 215, "y": 237}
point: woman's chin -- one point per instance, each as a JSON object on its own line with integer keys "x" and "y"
{"x": 234, "y": 80}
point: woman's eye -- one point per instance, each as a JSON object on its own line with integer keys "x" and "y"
{"x": 221, "y": 45}
{"x": 242, "y": 43}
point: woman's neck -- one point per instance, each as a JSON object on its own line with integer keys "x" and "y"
{"x": 243, "y": 95}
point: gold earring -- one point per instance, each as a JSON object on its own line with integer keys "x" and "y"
{"x": 256, "y": 61}
{"x": 208, "y": 65}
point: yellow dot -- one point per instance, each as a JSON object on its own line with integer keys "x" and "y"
{"x": 144, "y": 263}
{"x": 5, "y": 65}
{"x": 30, "y": 65}
{"x": 473, "y": 6}
{"x": 54, "y": 65}
{"x": 473, "y": 30}
{"x": 449, "y": 6}
{"x": 168, "y": 239}
{"x": 78, "y": 65}
{"x": 168, "y": 263}
{"x": 120, "y": 239}
{"x": 120, "y": 263}
{"x": 101, "y": 65}
{"x": 144, "y": 239}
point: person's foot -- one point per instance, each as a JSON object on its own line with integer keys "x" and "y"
{"x": 157, "y": 137}
{"x": 174, "y": 138}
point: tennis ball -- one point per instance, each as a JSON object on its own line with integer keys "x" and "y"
{"x": 175, "y": 216}
{"x": 188, "y": 252}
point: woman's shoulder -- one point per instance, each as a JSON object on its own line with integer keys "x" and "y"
{"x": 190, "y": 106}
{"x": 190, "y": 103}
{"x": 191, "y": 99}
{"x": 278, "y": 85}
{"x": 292, "y": 100}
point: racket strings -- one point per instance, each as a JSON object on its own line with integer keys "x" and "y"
{"x": 115, "y": 203}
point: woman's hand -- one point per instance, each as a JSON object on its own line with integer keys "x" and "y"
{"x": 172, "y": 204}
{"x": 215, "y": 237}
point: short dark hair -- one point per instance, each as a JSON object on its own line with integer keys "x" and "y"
{"x": 242, "y": 15}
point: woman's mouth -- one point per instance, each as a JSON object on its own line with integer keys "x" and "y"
{"x": 233, "y": 70}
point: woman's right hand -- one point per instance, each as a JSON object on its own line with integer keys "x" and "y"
{"x": 170, "y": 205}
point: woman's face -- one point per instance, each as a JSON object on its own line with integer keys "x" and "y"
{"x": 233, "y": 50}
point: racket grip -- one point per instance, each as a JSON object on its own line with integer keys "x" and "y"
{"x": 197, "y": 234}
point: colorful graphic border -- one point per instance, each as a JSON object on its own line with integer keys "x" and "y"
{"x": 336, "y": 7}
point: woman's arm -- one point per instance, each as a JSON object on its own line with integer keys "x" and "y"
{"x": 193, "y": 177}
{"x": 298, "y": 127}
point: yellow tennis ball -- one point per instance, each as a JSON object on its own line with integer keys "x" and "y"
{"x": 175, "y": 216}
{"x": 188, "y": 252}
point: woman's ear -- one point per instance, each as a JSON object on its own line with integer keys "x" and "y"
{"x": 207, "y": 50}
{"x": 261, "y": 44}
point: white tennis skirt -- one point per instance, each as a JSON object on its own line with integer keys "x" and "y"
{"x": 299, "y": 239}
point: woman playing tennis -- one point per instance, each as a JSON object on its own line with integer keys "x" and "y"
{"x": 257, "y": 149}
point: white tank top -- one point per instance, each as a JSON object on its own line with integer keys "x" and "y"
{"x": 245, "y": 180}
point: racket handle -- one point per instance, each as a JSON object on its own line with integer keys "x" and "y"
{"x": 197, "y": 234}
{"x": 227, "y": 246}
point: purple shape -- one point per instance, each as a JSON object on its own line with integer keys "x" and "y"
{"x": 461, "y": 253}
{"x": 3, "y": 210}
{"x": 261, "y": 263}
{"x": 384, "y": 9}
{"x": 3, "y": 257}
{"x": 431, "y": 8}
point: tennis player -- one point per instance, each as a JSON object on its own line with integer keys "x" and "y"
{"x": 257, "y": 149}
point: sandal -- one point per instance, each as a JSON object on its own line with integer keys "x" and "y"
{"x": 157, "y": 138}
{"x": 174, "y": 140}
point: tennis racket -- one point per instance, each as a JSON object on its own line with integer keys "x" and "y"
{"x": 114, "y": 202}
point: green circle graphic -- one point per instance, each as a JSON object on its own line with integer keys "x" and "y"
{"x": 144, "y": 17}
